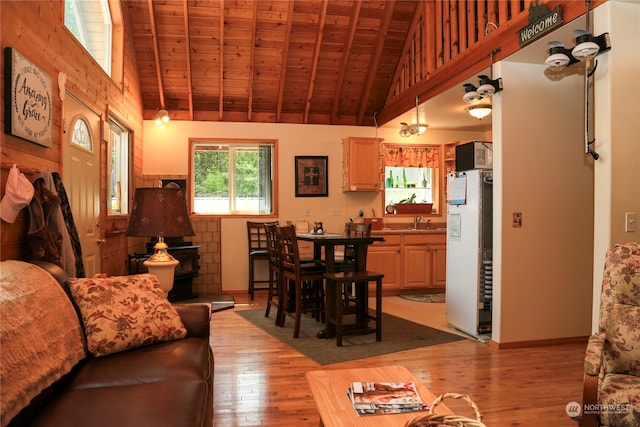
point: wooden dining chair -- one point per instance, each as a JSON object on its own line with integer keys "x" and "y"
{"x": 257, "y": 250}
{"x": 348, "y": 265}
{"x": 349, "y": 258}
{"x": 275, "y": 272}
{"x": 302, "y": 282}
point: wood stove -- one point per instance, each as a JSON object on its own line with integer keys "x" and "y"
{"x": 186, "y": 270}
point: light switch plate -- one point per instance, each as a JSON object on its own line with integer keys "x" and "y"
{"x": 630, "y": 221}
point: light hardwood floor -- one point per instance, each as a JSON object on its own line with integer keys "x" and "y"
{"x": 259, "y": 381}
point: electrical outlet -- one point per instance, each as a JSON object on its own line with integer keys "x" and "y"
{"x": 336, "y": 212}
{"x": 307, "y": 212}
{"x": 630, "y": 222}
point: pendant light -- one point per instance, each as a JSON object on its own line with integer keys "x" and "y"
{"x": 417, "y": 128}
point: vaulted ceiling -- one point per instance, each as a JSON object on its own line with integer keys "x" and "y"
{"x": 296, "y": 61}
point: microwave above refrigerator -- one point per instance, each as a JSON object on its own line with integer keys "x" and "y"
{"x": 474, "y": 155}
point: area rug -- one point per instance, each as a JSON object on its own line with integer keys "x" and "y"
{"x": 397, "y": 335}
{"x": 430, "y": 298}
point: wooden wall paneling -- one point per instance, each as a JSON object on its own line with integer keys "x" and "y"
{"x": 350, "y": 34}
{"x": 446, "y": 31}
{"x": 322, "y": 19}
{"x": 455, "y": 24}
{"x": 285, "y": 61}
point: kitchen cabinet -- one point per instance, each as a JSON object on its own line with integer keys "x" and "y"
{"x": 361, "y": 164}
{"x": 385, "y": 257}
{"x": 450, "y": 156}
{"x": 439, "y": 265}
{"x": 409, "y": 260}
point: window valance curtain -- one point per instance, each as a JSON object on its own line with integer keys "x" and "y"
{"x": 411, "y": 156}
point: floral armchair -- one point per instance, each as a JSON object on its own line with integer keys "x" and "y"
{"x": 611, "y": 395}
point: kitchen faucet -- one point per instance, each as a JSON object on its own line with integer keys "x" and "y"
{"x": 416, "y": 221}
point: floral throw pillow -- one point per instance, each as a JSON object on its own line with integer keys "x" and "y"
{"x": 124, "y": 312}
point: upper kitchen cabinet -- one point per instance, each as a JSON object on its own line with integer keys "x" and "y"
{"x": 361, "y": 164}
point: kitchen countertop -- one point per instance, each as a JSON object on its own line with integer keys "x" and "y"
{"x": 409, "y": 230}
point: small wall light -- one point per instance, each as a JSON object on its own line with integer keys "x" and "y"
{"x": 162, "y": 117}
{"x": 587, "y": 47}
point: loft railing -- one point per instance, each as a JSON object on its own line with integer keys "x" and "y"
{"x": 451, "y": 39}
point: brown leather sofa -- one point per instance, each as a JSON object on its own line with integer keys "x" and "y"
{"x": 163, "y": 384}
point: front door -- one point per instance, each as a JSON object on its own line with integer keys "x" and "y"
{"x": 81, "y": 177}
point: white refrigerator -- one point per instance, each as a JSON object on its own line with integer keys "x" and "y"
{"x": 469, "y": 288}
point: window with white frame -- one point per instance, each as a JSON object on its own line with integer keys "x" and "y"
{"x": 233, "y": 177}
{"x": 90, "y": 22}
{"x": 118, "y": 167}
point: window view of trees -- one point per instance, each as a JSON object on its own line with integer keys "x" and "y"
{"x": 232, "y": 177}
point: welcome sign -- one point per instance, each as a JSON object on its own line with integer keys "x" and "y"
{"x": 28, "y": 99}
{"x": 541, "y": 21}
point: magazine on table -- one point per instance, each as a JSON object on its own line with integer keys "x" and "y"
{"x": 381, "y": 398}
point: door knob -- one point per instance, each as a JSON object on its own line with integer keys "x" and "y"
{"x": 101, "y": 241}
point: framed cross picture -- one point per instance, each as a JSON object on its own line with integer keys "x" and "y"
{"x": 311, "y": 176}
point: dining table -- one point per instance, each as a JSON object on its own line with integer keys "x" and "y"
{"x": 329, "y": 241}
{"x": 360, "y": 244}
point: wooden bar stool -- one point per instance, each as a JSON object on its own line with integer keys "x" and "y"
{"x": 302, "y": 282}
{"x": 275, "y": 273}
{"x": 335, "y": 283}
{"x": 258, "y": 251}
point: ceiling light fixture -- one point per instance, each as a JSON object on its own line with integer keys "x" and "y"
{"x": 479, "y": 111}
{"x": 417, "y": 128}
{"x": 162, "y": 117}
{"x": 486, "y": 88}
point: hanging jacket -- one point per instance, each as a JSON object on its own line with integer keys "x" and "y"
{"x": 44, "y": 241}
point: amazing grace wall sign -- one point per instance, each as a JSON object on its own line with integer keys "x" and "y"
{"x": 28, "y": 99}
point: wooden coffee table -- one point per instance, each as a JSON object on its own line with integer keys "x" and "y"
{"x": 329, "y": 389}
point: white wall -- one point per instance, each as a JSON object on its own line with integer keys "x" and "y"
{"x": 617, "y": 109}
{"x": 166, "y": 152}
{"x": 541, "y": 269}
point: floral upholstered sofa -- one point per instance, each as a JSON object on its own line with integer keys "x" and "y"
{"x": 100, "y": 352}
{"x": 612, "y": 362}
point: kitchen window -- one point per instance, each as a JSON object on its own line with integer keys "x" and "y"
{"x": 233, "y": 177}
{"x": 411, "y": 175}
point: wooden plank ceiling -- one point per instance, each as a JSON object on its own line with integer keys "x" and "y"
{"x": 296, "y": 61}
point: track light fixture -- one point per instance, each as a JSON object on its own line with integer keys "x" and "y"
{"x": 162, "y": 117}
{"x": 485, "y": 89}
{"x": 587, "y": 47}
{"x": 474, "y": 95}
{"x": 406, "y": 130}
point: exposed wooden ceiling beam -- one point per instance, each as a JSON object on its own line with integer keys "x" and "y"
{"x": 156, "y": 52}
{"x": 375, "y": 59}
{"x": 346, "y": 53}
{"x": 285, "y": 60}
{"x": 252, "y": 59}
{"x": 221, "y": 73}
{"x": 316, "y": 55}
{"x": 187, "y": 45}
